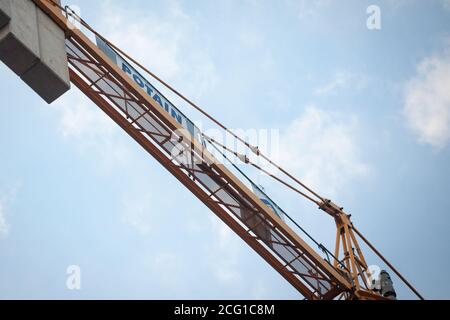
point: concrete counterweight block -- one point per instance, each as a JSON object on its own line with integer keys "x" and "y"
{"x": 49, "y": 77}
{"x": 5, "y": 13}
{"x": 19, "y": 42}
{"x": 33, "y": 46}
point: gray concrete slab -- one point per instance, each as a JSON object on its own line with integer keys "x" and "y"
{"x": 33, "y": 46}
{"x": 45, "y": 82}
{"x": 19, "y": 41}
{"x": 5, "y": 12}
{"x": 49, "y": 77}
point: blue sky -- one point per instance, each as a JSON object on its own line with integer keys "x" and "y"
{"x": 363, "y": 117}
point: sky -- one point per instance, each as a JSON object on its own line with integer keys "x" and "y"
{"x": 361, "y": 115}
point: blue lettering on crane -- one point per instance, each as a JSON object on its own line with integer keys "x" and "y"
{"x": 166, "y": 106}
{"x": 176, "y": 116}
{"x": 138, "y": 80}
{"x": 157, "y": 99}
{"x": 125, "y": 68}
{"x": 151, "y": 91}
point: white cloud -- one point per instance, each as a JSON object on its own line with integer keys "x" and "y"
{"x": 251, "y": 38}
{"x": 427, "y": 101}
{"x": 259, "y": 291}
{"x": 322, "y": 148}
{"x": 4, "y": 226}
{"x": 91, "y": 130}
{"x": 168, "y": 266}
{"x": 308, "y": 8}
{"x": 446, "y": 4}
{"x": 157, "y": 46}
{"x": 399, "y": 4}
{"x": 225, "y": 254}
{"x": 341, "y": 80}
{"x": 164, "y": 43}
{"x": 139, "y": 213}
{"x": 7, "y": 195}
{"x": 80, "y": 117}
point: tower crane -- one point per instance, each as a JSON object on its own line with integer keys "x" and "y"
{"x": 106, "y": 75}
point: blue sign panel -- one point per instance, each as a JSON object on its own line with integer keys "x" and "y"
{"x": 150, "y": 90}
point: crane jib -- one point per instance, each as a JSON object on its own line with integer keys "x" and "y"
{"x": 151, "y": 91}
